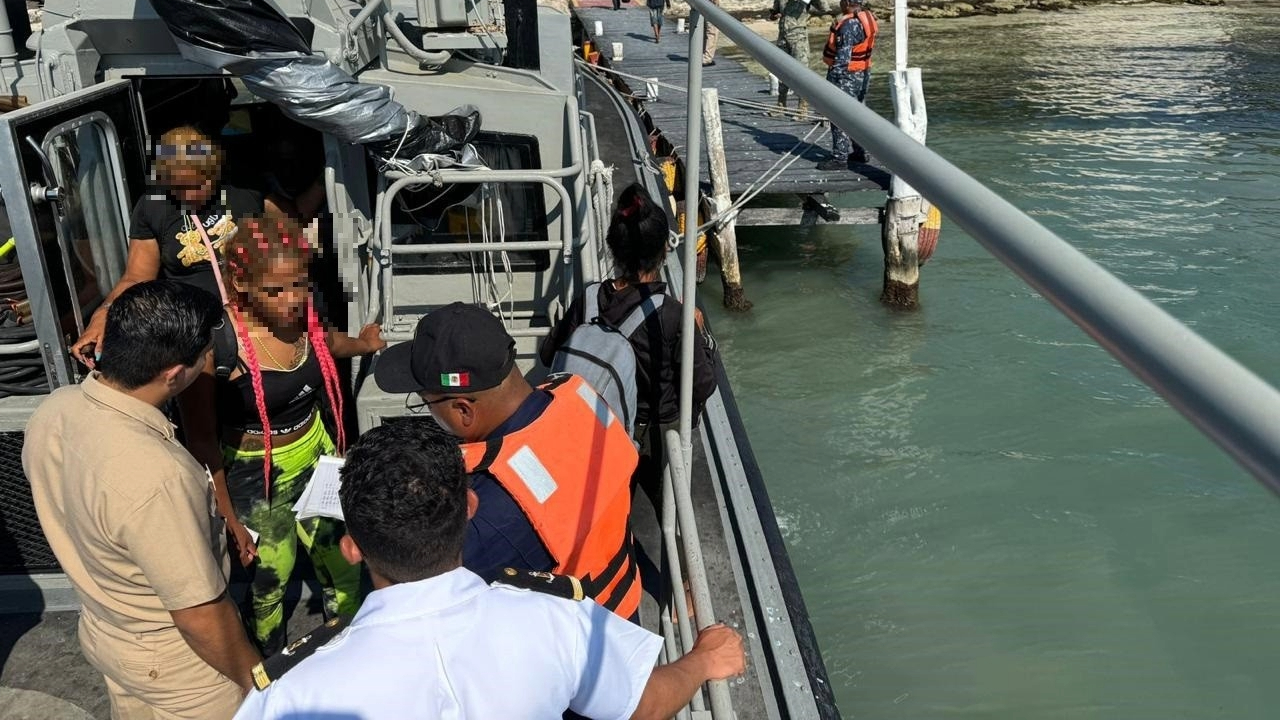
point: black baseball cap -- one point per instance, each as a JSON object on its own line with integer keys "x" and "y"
{"x": 456, "y": 349}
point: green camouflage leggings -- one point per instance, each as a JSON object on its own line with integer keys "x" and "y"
{"x": 281, "y": 534}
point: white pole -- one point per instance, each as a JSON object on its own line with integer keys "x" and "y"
{"x": 900, "y": 34}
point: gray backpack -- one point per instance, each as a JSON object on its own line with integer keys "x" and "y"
{"x": 602, "y": 354}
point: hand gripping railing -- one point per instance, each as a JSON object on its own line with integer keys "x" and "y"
{"x": 1222, "y": 398}
{"x": 678, "y": 516}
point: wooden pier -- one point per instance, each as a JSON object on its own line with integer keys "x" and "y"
{"x": 758, "y": 148}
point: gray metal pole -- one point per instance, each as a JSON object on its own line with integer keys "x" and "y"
{"x": 8, "y": 48}
{"x": 692, "y": 162}
{"x": 1225, "y": 400}
{"x": 8, "y": 51}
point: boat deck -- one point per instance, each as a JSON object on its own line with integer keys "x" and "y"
{"x": 755, "y": 144}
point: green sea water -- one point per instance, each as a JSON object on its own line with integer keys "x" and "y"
{"x": 989, "y": 516}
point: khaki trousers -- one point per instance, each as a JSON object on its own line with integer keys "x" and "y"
{"x": 155, "y": 675}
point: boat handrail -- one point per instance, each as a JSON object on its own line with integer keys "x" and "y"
{"x": 383, "y": 248}
{"x": 679, "y": 522}
{"x": 1223, "y": 399}
{"x": 550, "y": 178}
{"x": 563, "y": 172}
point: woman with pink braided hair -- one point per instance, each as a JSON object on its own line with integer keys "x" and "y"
{"x": 274, "y": 381}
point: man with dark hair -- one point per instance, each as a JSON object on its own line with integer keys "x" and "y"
{"x": 405, "y": 498}
{"x": 551, "y": 465}
{"x": 433, "y": 640}
{"x": 130, "y": 515}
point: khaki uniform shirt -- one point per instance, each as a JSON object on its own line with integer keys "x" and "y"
{"x": 128, "y": 512}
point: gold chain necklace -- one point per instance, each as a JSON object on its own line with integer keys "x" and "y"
{"x": 296, "y": 352}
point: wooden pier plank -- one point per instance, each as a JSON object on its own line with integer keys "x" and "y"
{"x": 754, "y": 142}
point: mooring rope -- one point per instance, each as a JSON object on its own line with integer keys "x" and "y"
{"x": 749, "y": 104}
{"x": 760, "y": 183}
{"x": 768, "y": 176}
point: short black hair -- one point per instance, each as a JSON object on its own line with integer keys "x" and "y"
{"x": 153, "y": 326}
{"x": 638, "y": 234}
{"x": 404, "y": 499}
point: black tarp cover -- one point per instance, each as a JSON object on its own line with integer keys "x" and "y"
{"x": 255, "y": 40}
{"x": 235, "y": 27}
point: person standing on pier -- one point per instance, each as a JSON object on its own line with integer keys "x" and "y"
{"x": 793, "y": 37}
{"x": 848, "y": 57}
{"x": 712, "y": 37}
{"x": 655, "y": 17}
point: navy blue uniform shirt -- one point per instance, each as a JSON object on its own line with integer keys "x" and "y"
{"x": 500, "y": 535}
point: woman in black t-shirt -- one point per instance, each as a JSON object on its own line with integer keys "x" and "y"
{"x": 164, "y": 234}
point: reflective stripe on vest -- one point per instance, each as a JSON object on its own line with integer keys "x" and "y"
{"x": 860, "y": 59}
{"x": 570, "y": 472}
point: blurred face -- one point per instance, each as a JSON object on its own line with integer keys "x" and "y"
{"x": 189, "y": 168}
{"x": 190, "y": 189}
{"x": 279, "y": 297}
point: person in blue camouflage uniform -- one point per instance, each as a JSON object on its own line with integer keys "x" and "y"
{"x": 850, "y": 43}
{"x": 793, "y": 38}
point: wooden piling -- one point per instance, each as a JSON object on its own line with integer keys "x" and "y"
{"x": 905, "y": 212}
{"x": 725, "y": 235}
{"x": 900, "y": 236}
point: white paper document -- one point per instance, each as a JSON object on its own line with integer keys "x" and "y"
{"x": 320, "y": 498}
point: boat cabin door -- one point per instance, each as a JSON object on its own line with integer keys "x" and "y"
{"x": 70, "y": 170}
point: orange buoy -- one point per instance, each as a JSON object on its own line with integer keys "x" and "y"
{"x": 927, "y": 241}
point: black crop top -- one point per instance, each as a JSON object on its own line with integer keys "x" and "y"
{"x": 292, "y": 398}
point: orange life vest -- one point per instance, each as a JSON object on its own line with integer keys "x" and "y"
{"x": 570, "y": 472}
{"x": 860, "y": 59}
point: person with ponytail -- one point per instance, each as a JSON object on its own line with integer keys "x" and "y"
{"x": 637, "y": 238}
{"x": 269, "y": 433}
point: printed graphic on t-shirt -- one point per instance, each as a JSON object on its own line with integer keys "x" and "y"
{"x": 220, "y": 227}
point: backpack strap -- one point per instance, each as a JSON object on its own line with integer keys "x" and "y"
{"x": 640, "y": 314}
{"x": 226, "y": 349}
{"x": 591, "y": 308}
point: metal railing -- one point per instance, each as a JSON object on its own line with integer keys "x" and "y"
{"x": 1227, "y": 402}
{"x": 678, "y": 514}
{"x": 384, "y": 249}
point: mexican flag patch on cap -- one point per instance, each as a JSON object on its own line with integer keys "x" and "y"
{"x": 455, "y": 380}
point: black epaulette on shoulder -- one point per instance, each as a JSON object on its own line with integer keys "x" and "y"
{"x": 565, "y": 586}
{"x": 270, "y": 670}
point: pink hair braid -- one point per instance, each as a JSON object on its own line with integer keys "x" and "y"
{"x": 332, "y": 385}
{"x": 259, "y": 397}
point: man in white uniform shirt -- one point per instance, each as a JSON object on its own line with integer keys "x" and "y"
{"x": 433, "y": 640}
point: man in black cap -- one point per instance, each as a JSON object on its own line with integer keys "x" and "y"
{"x": 550, "y": 466}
